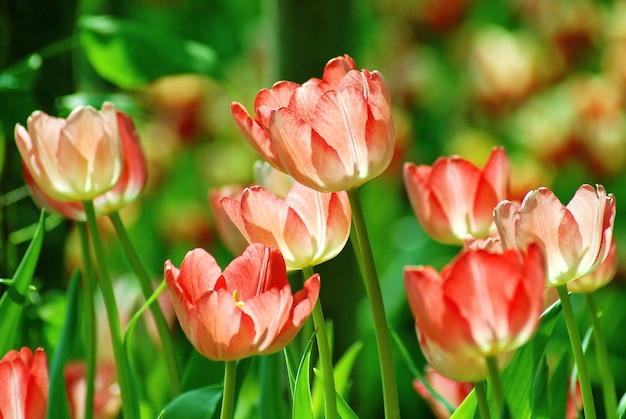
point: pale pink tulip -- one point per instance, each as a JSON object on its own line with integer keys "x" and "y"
{"x": 308, "y": 227}
{"x": 454, "y": 199}
{"x": 73, "y": 159}
{"x": 247, "y": 310}
{"x": 331, "y": 134}
{"x": 24, "y": 389}
{"x": 575, "y": 238}
{"x": 597, "y": 278}
{"x": 128, "y": 187}
{"x": 482, "y": 304}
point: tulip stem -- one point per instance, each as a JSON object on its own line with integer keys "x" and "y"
{"x": 495, "y": 383}
{"x": 146, "y": 288}
{"x": 481, "y": 398}
{"x": 374, "y": 294}
{"x": 325, "y": 354}
{"x": 577, "y": 349}
{"x": 130, "y": 407}
{"x": 228, "y": 396}
{"x": 89, "y": 320}
{"x": 608, "y": 383}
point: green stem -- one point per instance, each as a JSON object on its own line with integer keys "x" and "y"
{"x": 130, "y": 406}
{"x": 495, "y": 383}
{"x": 577, "y": 349}
{"x": 481, "y": 398}
{"x": 89, "y": 319}
{"x": 374, "y": 294}
{"x": 228, "y": 397}
{"x": 608, "y": 382}
{"x": 326, "y": 357}
{"x": 146, "y": 288}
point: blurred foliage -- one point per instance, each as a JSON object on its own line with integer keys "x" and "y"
{"x": 545, "y": 79}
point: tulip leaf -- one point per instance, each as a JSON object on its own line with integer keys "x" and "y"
{"x": 195, "y": 404}
{"x": 539, "y": 389}
{"x": 130, "y": 55}
{"x": 57, "y": 398}
{"x": 302, "y": 400}
{"x": 557, "y": 390}
{"x": 14, "y": 299}
{"x": 343, "y": 408}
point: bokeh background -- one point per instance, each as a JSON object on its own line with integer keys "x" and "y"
{"x": 546, "y": 79}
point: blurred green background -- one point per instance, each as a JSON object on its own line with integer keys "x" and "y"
{"x": 547, "y": 79}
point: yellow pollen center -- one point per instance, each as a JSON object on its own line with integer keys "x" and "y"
{"x": 238, "y": 303}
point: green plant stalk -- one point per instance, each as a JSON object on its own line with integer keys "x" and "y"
{"x": 481, "y": 399}
{"x": 602, "y": 358}
{"x": 146, "y": 288}
{"x": 228, "y": 397}
{"x": 130, "y": 406}
{"x": 325, "y": 354}
{"x": 375, "y": 297}
{"x": 577, "y": 349}
{"x": 89, "y": 320}
{"x": 495, "y": 383}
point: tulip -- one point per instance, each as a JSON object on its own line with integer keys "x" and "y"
{"x": 128, "y": 187}
{"x": 73, "y": 159}
{"x": 308, "y": 227}
{"x": 228, "y": 232}
{"x": 454, "y": 199}
{"x": 482, "y": 304}
{"x": 452, "y": 391}
{"x": 575, "y": 239}
{"x": 331, "y": 134}
{"x": 24, "y": 389}
{"x": 107, "y": 402}
{"x": 599, "y": 278}
{"x": 246, "y": 310}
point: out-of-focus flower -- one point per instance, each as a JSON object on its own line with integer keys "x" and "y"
{"x": 452, "y": 391}
{"x": 107, "y": 402}
{"x": 454, "y": 198}
{"x": 503, "y": 66}
{"x": 575, "y": 239}
{"x": 331, "y": 134}
{"x": 482, "y": 304}
{"x": 308, "y": 227}
{"x": 227, "y": 231}
{"x": 24, "y": 389}
{"x": 128, "y": 187}
{"x": 598, "y": 278}
{"x": 73, "y": 159}
{"x": 272, "y": 179}
{"x": 246, "y": 310}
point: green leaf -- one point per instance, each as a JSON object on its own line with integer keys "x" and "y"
{"x": 343, "y": 408}
{"x": 13, "y": 300}
{"x": 131, "y": 55}
{"x": 57, "y": 398}
{"x": 302, "y": 400}
{"x": 196, "y": 404}
{"x": 557, "y": 389}
{"x": 539, "y": 391}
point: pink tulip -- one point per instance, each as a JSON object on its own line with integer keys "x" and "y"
{"x": 332, "y": 134}
{"x": 128, "y": 187}
{"x": 575, "y": 238}
{"x": 482, "y": 304}
{"x": 454, "y": 199}
{"x": 308, "y": 227}
{"x": 228, "y": 232}
{"x": 454, "y": 392}
{"x": 246, "y": 310}
{"x": 24, "y": 389}
{"x": 599, "y": 278}
{"x": 73, "y": 159}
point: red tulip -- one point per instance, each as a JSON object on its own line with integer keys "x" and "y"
{"x": 454, "y": 199}
{"x": 24, "y": 389}
{"x": 482, "y": 304}
{"x": 308, "y": 227}
{"x": 575, "y": 238}
{"x": 331, "y": 134}
{"x": 246, "y": 310}
{"x": 130, "y": 184}
{"x": 73, "y": 159}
